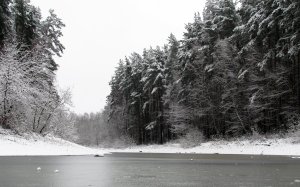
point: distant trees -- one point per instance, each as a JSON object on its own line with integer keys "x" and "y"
{"x": 94, "y": 130}
{"x": 89, "y": 127}
{"x": 236, "y": 71}
{"x": 29, "y": 99}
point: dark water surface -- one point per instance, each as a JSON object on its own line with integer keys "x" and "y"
{"x": 137, "y": 170}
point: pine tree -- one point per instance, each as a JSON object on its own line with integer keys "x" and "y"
{"x": 49, "y": 41}
{"x": 221, "y": 17}
{"x": 5, "y": 26}
{"x": 172, "y": 74}
{"x": 27, "y": 20}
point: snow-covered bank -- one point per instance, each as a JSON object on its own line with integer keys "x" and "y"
{"x": 35, "y": 145}
{"x": 272, "y": 146}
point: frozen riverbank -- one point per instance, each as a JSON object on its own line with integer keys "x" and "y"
{"x": 270, "y": 146}
{"x": 32, "y": 144}
{"x": 35, "y": 145}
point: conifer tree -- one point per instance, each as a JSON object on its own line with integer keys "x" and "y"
{"x": 5, "y": 17}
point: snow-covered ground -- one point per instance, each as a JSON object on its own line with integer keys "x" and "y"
{"x": 32, "y": 144}
{"x": 256, "y": 146}
{"x": 267, "y": 147}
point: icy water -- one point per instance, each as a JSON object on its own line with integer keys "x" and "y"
{"x": 137, "y": 170}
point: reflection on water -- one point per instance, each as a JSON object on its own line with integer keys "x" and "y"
{"x": 146, "y": 171}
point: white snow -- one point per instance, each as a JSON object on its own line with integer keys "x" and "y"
{"x": 35, "y": 145}
{"x": 272, "y": 146}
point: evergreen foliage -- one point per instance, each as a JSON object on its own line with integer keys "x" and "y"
{"x": 235, "y": 72}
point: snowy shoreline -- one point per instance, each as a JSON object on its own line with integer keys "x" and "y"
{"x": 280, "y": 147}
{"x": 35, "y": 145}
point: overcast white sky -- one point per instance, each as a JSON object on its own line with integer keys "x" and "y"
{"x": 100, "y": 32}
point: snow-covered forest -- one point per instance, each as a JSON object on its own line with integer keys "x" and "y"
{"x": 29, "y": 97}
{"x": 235, "y": 72}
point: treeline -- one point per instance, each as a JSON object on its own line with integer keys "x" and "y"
{"x": 93, "y": 130}
{"x": 29, "y": 99}
{"x": 236, "y": 71}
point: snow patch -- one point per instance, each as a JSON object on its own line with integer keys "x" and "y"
{"x": 252, "y": 147}
{"x": 36, "y": 145}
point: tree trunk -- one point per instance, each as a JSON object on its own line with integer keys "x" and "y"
{"x": 298, "y": 81}
{"x": 34, "y": 119}
{"x": 5, "y": 103}
{"x": 40, "y": 116}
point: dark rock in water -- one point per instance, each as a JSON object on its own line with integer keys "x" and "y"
{"x": 141, "y": 151}
{"x": 97, "y": 156}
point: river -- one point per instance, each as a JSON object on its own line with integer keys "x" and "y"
{"x": 140, "y": 169}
